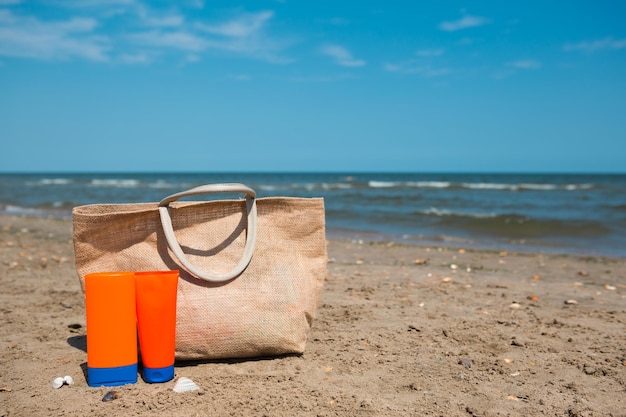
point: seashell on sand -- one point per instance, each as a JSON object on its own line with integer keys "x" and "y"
{"x": 185, "y": 384}
{"x": 110, "y": 396}
{"x": 58, "y": 383}
{"x": 68, "y": 380}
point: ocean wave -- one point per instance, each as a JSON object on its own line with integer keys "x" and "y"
{"x": 12, "y": 209}
{"x": 506, "y": 187}
{"x": 617, "y": 207}
{"x": 480, "y": 185}
{"x": 51, "y": 181}
{"x": 417, "y": 184}
{"x": 307, "y": 186}
{"x": 384, "y": 184}
{"x": 430, "y": 184}
{"x": 443, "y": 213}
{"x": 161, "y": 184}
{"x": 56, "y": 213}
{"x": 513, "y": 225}
{"x": 336, "y": 186}
{"x": 574, "y": 187}
{"x": 119, "y": 183}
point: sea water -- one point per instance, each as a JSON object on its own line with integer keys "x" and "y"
{"x": 582, "y": 214}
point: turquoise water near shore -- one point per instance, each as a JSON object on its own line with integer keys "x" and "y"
{"x": 582, "y": 213}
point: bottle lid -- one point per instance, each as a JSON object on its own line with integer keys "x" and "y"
{"x": 155, "y": 375}
{"x": 111, "y": 377}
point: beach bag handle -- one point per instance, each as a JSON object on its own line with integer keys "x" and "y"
{"x": 172, "y": 242}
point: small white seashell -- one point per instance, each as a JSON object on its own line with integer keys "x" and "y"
{"x": 185, "y": 384}
{"x": 58, "y": 383}
{"x": 68, "y": 380}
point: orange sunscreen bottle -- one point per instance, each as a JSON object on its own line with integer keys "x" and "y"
{"x": 111, "y": 329}
{"x": 156, "y": 321}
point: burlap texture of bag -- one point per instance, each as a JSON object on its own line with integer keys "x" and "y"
{"x": 265, "y": 310}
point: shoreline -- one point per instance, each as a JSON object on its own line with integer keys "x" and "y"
{"x": 578, "y": 214}
{"x": 364, "y": 235}
{"x": 402, "y": 329}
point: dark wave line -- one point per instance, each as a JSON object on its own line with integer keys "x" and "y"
{"x": 518, "y": 227}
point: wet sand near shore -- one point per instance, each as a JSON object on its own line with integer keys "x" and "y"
{"x": 408, "y": 330}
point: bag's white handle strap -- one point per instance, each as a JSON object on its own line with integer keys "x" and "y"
{"x": 248, "y": 251}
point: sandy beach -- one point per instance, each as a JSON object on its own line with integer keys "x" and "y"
{"x": 402, "y": 330}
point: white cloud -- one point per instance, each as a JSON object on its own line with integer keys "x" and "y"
{"x": 177, "y": 40}
{"x": 429, "y": 52}
{"x": 257, "y": 47}
{"x": 525, "y": 64}
{"x": 137, "y": 58}
{"x": 7, "y": 17}
{"x": 243, "y": 26}
{"x": 198, "y": 4}
{"x": 147, "y": 34}
{"x": 342, "y": 56}
{"x": 171, "y": 20}
{"x": 28, "y": 37}
{"x": 93, "y": 3}
{"x": 320, "y": 78}
{"x": 164, "y": 21}
{"x": 246, "y": 35}
{"x": 464, "y": 23}
{"x": 607, "y": 43}
{"x": 412, "y": 68}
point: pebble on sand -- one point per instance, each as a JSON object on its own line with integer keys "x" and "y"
{"x": 110, "y": 396}
{"x": 465, "y": 362}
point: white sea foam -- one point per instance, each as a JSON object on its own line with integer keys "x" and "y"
{"x": 268, "y": 187}
{"x": 489, "y": 186}
{"x": 540, "y": 187}
{"x": 161, "y": 184}
{"x": 336, "y": 186}
{"x": 383, "y": 184}
{"x": 121, "y": 183}
{"x": 311, "y": 186}
{"x": 55, "y": 181}
{"x": 414, "y": 184}
{"x": 525, "y": 186}
{"x": 430, "y": 184}
{"x": 574, "y": 187}
{"x": 436, "y": 212}
{"x": 12, "y": 209}
{"x": 443, "y": 212}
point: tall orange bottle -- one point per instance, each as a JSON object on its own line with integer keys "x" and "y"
{"x": 156, "y": 322}
{"x": 111, "y": 329}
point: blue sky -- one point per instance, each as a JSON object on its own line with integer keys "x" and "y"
{"x": 417, "y": 86}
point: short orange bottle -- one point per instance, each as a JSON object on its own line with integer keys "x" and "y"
{"x": 156, "y": 322}
{"x": 111, "y": 329}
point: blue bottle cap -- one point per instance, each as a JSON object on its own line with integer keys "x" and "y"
{"x": 153, "y": 375}
{"x": 111, "y": 377}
